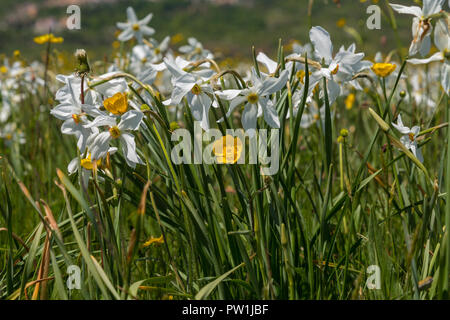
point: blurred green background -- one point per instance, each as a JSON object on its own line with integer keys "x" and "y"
{"x": 228, "y": 27}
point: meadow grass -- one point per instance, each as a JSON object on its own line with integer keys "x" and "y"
{"x": 342, "y": 200}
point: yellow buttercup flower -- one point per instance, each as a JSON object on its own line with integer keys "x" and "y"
{"x": 177, "y": 38}
{"x": 49, "y": 37}
{"x": 116, "y": 44}
{"x": 117, "y": 104}
{"x": 153, "y": 240}
{"x": 383, "y": 69}
{"x": 88, "y": 164}
{"x": 227, "y": 149}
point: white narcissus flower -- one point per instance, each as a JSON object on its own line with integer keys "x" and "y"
{"x": 340, "y": 67}
{"x": 256, "y": 99}
{"x": 409, "y": 137}
{"x": 158, "y": 49}
{"x": 134, "y": 27}
{"x": 421, "y": 27}
{"x": 442, "y": 42}
{"x": 99, "y": 144}
{"x": 74, "y": 114}
{"x": 193, "y": 86}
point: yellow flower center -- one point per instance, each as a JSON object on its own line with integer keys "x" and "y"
{"x": 383, "y": 69}
{"x": 144, "y": 60}
{"x": 8, "y": 136}
{"x": 76, "y": 118}
{"x": 335, "y": 70}
{"x": 227, "y": 149}
{"x": 196, "y": 89}
{"x": 316, "y": 116}
{"x": 117, "y": 104}
{"x": 3, "y": 69}
{"x": 114, "y": 132}
{"x": 411, "y": 136}
{"x": 301, "y": 76}
{"x": 252, "y": 98}
{"x": 135, "y": 27}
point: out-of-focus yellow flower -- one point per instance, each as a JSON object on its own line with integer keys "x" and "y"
{"x": 16, "y": 53}
{"x": 117, "y": 104}
{"x": 49, "y": 37}
{"x": 177, "y": 38}
{"x": 153, "y": 240}
{"x": 349, "y": 101}
{"x": 3, "y": 69}
{"x": 116, "y": 44}
{"x": 383, "y": 69}
{"x": 227, "y": 149}
{"x": 341, "y": 23}
{"x": 290, "y": 45}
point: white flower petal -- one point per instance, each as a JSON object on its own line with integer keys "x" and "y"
{"x": 131, "y": 15}
{"x": 270, "y": 114}
{"x": 414, "y": 10}
{"x": 131, "y": 120}
{"x": 438, "y": 56}
{"x": 272, "y": 85}
{"x": 323, "y": 48}
{"x": 102, "y": 120}
{"x": 269, "y": 63}
{"x": 129, "y": 150}
{"x": 126, "y": 35}
{"x": 431, "y": 7}
{"x": 249, "y": 116}
{"x": 100, "y": 145}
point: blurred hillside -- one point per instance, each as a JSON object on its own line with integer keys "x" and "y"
{"x": 230, "y": 27}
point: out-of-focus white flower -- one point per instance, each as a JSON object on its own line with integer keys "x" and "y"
{"x": 194, "y": 50}
{"x": 134, "y": 27}
{"x": 409, "y": 137}
{"x": 11, "y": 134}
{"x": 421, "y": 27}
{"x": 442, "y": 42}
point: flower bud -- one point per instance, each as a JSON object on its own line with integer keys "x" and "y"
{"x": 344, "y": 133}
{"x": 83, "y": 64}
